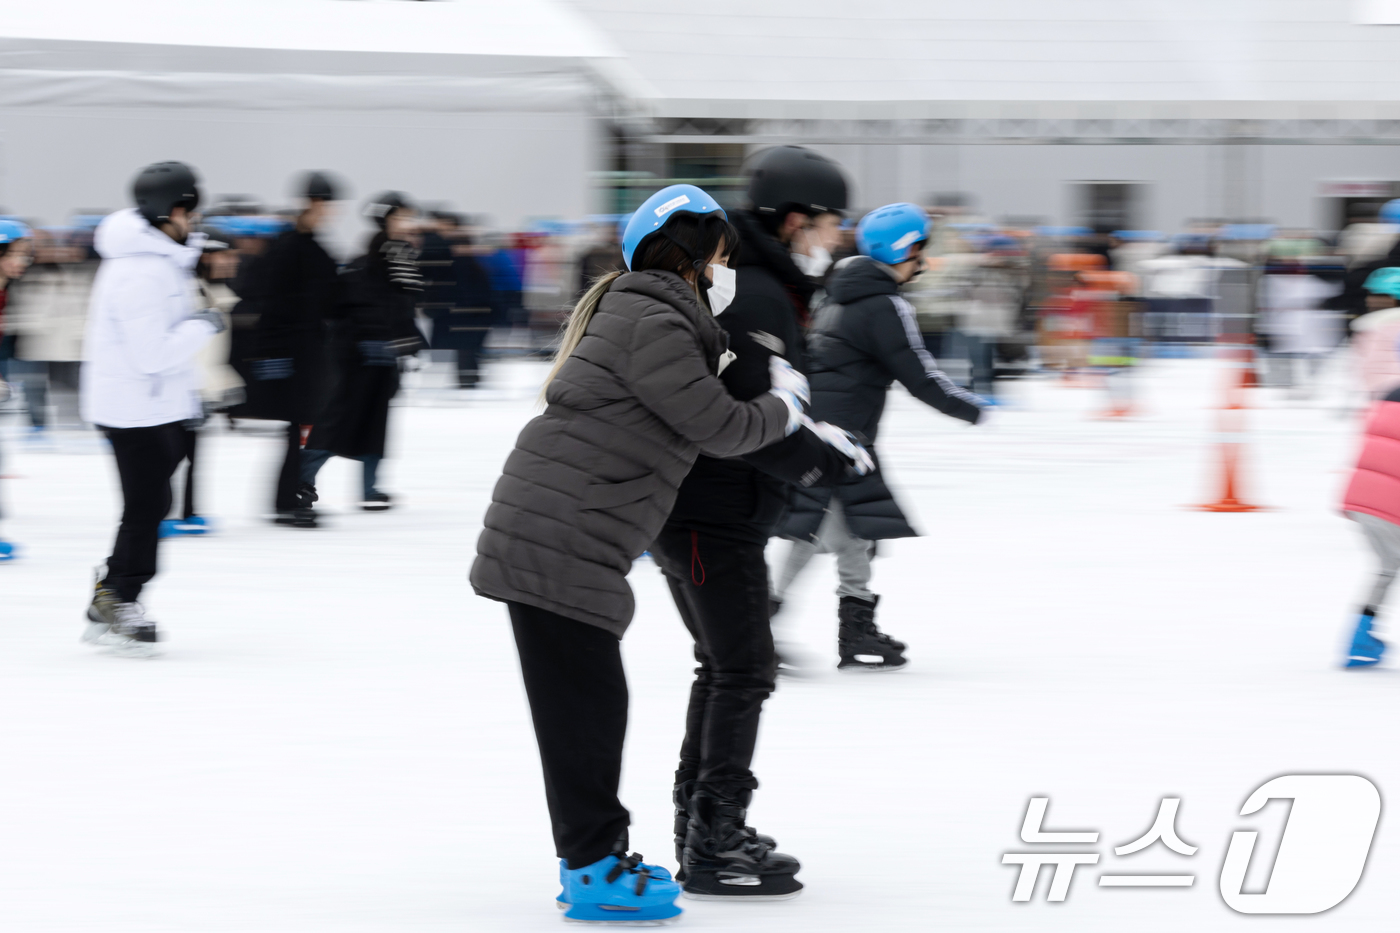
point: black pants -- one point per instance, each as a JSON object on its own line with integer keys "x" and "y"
{"x": 721, "y": 590}
{"x": 578, "y": 701}
{"x": 146, "y": 459}
{"x": 191, "y": 442}
{"x": 289, "y": 477}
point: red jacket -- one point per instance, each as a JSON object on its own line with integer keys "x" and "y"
{"x": 1375, "y": 486}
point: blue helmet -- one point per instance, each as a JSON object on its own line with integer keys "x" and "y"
{"x": 11, "y": 230}
{"x": 887, "y": 234}
{"x": 1390, "y": 212}
{"x": 1384, "y": 281}
{"x": 661, "y": 207}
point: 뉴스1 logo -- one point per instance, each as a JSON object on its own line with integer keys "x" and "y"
{"x": 1320, "y": 858}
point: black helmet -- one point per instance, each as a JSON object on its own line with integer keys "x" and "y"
{"x": 162, "y": 187}
{"x": 791, "y": 178}
{"x": 320, "y": 186}
{"x": 381, "y": 206}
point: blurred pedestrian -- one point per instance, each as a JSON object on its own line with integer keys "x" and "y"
{"x": 632, "y": 400}
{"x": 47, "y": 313}
{"x": 140, "y": 381}
{"x": 291, "y": 288}
{"x": 372, "y": 328}
{"x": 1376, "y": 334}
{"x": 457, "y": 294}
{"x": 14, "y": 259}
{"x": 601, "y": 258}
{"x": 864, "y": 339}
{"x": 1372, "y": 500}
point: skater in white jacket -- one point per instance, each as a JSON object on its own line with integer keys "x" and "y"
{"x": 140, "y": 380}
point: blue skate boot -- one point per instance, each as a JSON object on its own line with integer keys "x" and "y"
{"x": 658, "y": 872}
{"x": 194, "y": 525}
{"x": 618, "y": 889}
{"x": 7, "y": 551}
{"x": 1366, "y": 649}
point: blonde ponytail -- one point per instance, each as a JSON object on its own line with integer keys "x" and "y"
{"x": 577, "y": 324}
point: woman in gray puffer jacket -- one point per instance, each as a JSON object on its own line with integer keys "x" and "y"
{"x": 632, "y": 400}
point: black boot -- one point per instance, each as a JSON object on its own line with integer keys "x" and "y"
{"x": 304, "y": 516}
{"x": 680, "y": 796}
{"x": 861, "y": 643}
{"x": 725, "y": 859}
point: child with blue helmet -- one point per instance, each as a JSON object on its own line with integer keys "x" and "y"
{"x": 864, "y": 339}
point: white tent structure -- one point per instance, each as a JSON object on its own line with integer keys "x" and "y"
{"x": 489, "y": 106}
{"x": 1234, "y": 108}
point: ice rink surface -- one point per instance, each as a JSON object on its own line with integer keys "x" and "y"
{"x": 337, "y": 738}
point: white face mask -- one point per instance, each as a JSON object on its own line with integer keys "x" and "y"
{"x": 721, "y": 291}
{"x": 815, "y": 264}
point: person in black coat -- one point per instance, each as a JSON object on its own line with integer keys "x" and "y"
{"x": 372, "y": 328}
{"x": 862, "y": 340}
{"x": 457, "y": 295}
{"x": 711, "y": 548}
{"x": 288, "y": 290}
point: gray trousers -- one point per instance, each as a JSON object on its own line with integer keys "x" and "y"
{"x": 833, "y": 537}
{"x": 1384, "y": 538}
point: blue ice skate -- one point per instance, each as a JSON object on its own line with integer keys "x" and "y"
{"x": 659, "y": 872}
{"x": 619, "y": 889}
{"x": 7, "y": 551}
{"x": 1366, "y": 649}
{"x": 194, "y": 525}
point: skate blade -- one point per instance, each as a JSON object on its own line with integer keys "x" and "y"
{"x": 641, "y": 917}
{"x": 129, "y": 648}
{"x": 742, "y": 898}
{"x": 861, "y": 667}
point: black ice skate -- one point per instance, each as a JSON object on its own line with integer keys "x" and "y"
{"x": 123, "y": 627}
{"x": 863, "y": 647}
{"x": 304, "y": 516}
{"x": 680, "y": 796}
{"x": 377, "y": 502}
{"x": 723, "y": 859}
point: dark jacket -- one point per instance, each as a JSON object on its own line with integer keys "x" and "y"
{"x": 456, "y": 297}
{"x": 862, "y": 340}
{"x": 1352, "y": 299}
{"x": 371, "y": 327}
{"x": 591, "y": 481}
{"x": 287, "y": 293}
{"x": 745, "y": 498}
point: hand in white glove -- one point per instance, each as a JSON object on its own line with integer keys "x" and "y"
{"x": 783, "y": 376}
{"x": 845, "y": 443}
{"x": 790, "y": 386}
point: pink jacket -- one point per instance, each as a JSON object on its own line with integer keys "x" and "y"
{"x": 1375, "y": 486}
{"x": 1376, "y": 336}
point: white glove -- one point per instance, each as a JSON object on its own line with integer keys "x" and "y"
{"x": 790, "y": 386}
{"x": 845, "y": 443}
{"x": 783, "y": 376}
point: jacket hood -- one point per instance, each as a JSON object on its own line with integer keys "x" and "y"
{"x": 127, "y": 233}
{"x": 758, "y": 247}
{"x": 1376, "y": 319}
{"x": 860, "y": 277}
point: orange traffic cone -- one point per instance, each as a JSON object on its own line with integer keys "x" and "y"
{"x": 1231, "y": 441}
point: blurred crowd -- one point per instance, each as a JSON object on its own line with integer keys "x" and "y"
{"x": 995, "y": 301}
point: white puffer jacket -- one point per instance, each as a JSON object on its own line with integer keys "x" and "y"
{"x": 140, "y": 365}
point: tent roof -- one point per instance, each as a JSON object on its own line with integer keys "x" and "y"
{"x": 810, "y": 58}
{"x": 523, "y": 28}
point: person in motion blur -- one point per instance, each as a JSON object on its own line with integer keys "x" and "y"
{"x": 712, "y": 546}
{"x": 372, "y": 329}
{"x": 633, "y": 398}
{"x": 291, "y": 287}
{"x": 140, "y": 381}
{"x": 1372, "y": 497}
{"x": 14, "y": 259}
{"x": 457, "y": 295}
{"x": 862, "y": 341}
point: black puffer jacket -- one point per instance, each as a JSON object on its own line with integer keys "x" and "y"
{"x": 862, "y": 340}
{"x": 745, "y": 498}
{"x": 591, "y": 481}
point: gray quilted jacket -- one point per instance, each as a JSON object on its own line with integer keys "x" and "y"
{"x": 592, "y": 479}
